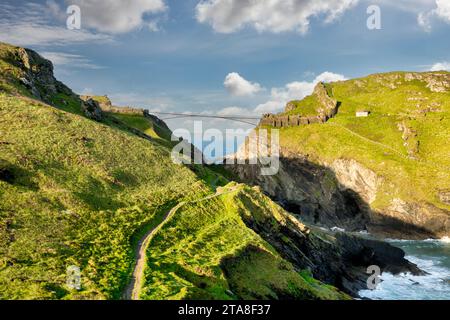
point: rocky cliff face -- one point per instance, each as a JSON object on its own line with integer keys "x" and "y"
{"x": 336, "y": 258}
{"x": 92, "y": 109}
{"x": 313, "y": 192}
{"x": 36, "y": 74}
{"x": 30, "y": 74}
{"x": 340, "y": 194}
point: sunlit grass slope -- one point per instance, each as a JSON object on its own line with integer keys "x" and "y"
{"x": 208, "y": 251}
{"x": 77, "y": 192}
{"x": 73, "y": 192}
{"x": 150, "y": 128}
{"x": 405, "y": 140}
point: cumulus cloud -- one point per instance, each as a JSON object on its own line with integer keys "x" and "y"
{"x": 442, "y": 12}
{"x": 226, "y": 16}
{"x": 238, "y": 86}
{"x": 294, "y": 91}
{"x": 441, "y": 66}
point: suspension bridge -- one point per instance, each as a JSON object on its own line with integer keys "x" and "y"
{"x": 254, "y": 121}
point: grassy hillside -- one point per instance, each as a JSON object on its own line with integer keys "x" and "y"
{"x": 207, "y": 251}
{"x": 79, "y": 192}
{"x": 150, "y": 128}
{"x": 404, "y": 140}
{"x": 72, "y": 192}
{"x": 306, "y": 107}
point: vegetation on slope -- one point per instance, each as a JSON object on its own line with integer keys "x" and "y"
{"x": 72, "y": 192}
{"x": 208, "y": 251}
{"x": 77, "y": 192}
{"x": 306, "y": 107}
{"x": 404, "y": 140}
{"x": 145, "y": 125}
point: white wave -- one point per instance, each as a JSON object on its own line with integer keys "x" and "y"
{"x": 433, "y": 286}
{"x": 445, "y": 240}
{"x": 337, "y": 229}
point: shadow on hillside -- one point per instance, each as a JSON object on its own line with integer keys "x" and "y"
{"x": 15, "y": 175}
{"x": 331, "y": 204}
{"x": 204, "y": 287}
{"x": 313, "y": 193}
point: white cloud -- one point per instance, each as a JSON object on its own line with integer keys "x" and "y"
{"x": 31, "y": 26}
{"x": 294, "y": 91}
{"x": 238, "y": 86}
{"x": 45, "y": 24}
{"x": 69, "y": 60}
{"x": 441, "y": 66}
{"x": 227, "y": 16}
{"x": 115, "y": 17}
{"x": 441, "y": 11}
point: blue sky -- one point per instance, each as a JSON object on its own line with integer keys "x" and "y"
{"x": 174, "y": 55}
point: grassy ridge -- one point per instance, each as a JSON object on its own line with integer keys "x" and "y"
{"x": 306, "y": 107}
{"x": 207, "y": 251}
{"x": 421, "y": 159}
{"x": 150, "y": 128}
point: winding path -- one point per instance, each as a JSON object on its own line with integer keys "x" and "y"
{"x": 133, "y": 289}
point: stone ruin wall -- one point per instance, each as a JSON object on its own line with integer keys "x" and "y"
{"x": 327, "y": 109}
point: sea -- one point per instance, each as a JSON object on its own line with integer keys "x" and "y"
{"x": 433, "y": 257}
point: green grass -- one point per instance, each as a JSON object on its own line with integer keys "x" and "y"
{"x": 77, "y": 192}
{"x": 206, "y": 250}
{"x": 306, "y": 107}
{"x": 376, "y": 141}
{"x": 145, "y": 125}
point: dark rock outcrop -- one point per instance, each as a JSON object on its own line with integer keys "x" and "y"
{"x": 340, "y": 194}
{"x": 156, "y": 120}
{"x": 92, "y": 110}
{"x": 336, "y": 258}
{"x": 37, "y": 75}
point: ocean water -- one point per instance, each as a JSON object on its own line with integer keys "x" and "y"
{"x": 432, "y": 256}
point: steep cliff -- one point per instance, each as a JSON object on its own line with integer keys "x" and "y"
{"x": 388, "y": 173}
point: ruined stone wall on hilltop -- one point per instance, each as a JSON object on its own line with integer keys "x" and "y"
{"x": 326, "y": 109}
